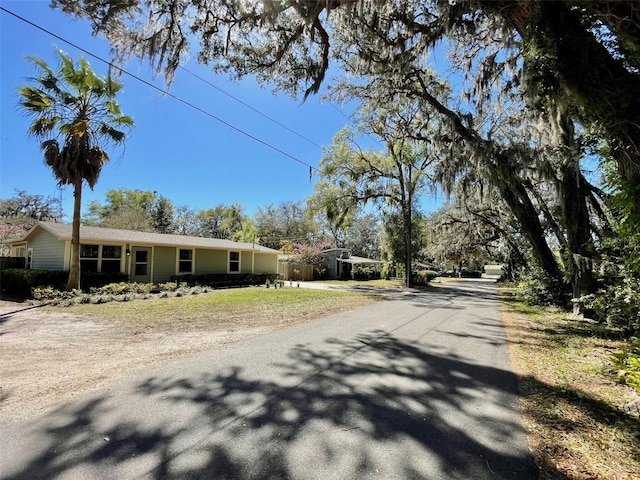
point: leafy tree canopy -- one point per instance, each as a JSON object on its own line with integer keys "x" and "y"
{"x": 26, "y": 209}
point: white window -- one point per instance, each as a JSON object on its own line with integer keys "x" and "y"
{"x": 111, "y": 257}
{"x": 100, "y": 258}
{"x": 89, "y": 256}
{"x": 234, "y": 261}
{"x": 185, "y": 261}
{"x": 141, "y": 267}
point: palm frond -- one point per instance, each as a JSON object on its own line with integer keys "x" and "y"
{"x": 77, "y": 106}
{"x": 34, "y": 100}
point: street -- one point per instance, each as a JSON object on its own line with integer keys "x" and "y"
{"x": 415, "y": 387}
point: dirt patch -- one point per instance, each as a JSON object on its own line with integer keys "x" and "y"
{"x": 50, "y": 357}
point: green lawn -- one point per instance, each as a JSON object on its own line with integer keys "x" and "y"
{"x": 227, "y": 308}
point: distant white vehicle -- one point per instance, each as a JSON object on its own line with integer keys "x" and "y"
{"x": 493, "y": 270}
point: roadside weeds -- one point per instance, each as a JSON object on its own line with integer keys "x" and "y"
{"x": 578, "y": 417}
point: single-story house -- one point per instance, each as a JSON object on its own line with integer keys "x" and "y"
{"x": 340, "y": 262}
{"x": 145, "y": 257}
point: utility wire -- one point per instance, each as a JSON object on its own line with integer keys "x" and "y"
{"x": 163, "y": 91}
{"x": 249, "y": 106}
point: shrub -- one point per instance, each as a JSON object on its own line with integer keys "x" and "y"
{"x": 20, "y": 282}
{"x": 366, "y": 272}
{"x": 536, "y": 288}
{"x": 45, "y": 293}
{"x": 50, "y": 293}
{"x": 98, "y": 299}
{"x": 423, "y": 277}
{"x": 91, "y": 280}
{"x": 121, "y": 288}
{"x": 617, "y": 305}
{"x": 168, "y": 286}
{"x": 471, "y": 274}
{"x": 626, "y": 364}
{"x": 220, "y": 280}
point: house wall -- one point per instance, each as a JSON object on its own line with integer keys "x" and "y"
{"x": 48, "y": 251}
{"x": 330, "y": 258}
{"x": 210, "y": 261}
{"x": 246, "y": 262}
{"x": 265, "y": 263}
{"x": 164, "y": 263}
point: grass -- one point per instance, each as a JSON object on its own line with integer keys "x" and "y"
{"x": 380, "y": 283}
{"x": 577, "y": 415}
{"x": 225, "y": 309}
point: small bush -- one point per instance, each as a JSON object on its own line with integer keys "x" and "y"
{"x": 168, "y": 286}
{"x": 45, "y": 293}
{"x": 366, "y": 272}
{"x": 536, "y": 288}
{"x": 626, "y": 364}
{"x": 98, "y": 299}
{"x": 111, "y": 289}
{"x": 617, "y": 305}
{"x": 423, "y": 277}
{"x": 121, "y": 288}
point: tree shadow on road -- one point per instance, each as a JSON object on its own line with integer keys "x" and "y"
{"x": 376, "y": 406}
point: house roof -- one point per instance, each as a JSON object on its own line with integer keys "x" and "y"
{"x": 111, "y": 235}
{"x": 359, "y": 260}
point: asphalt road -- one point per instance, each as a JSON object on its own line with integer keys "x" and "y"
{"x": 416, "y": 387}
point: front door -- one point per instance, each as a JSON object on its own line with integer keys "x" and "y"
{"x": 141, "y": 264}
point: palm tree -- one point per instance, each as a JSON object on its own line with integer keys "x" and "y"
{"x": 74, "y": 111}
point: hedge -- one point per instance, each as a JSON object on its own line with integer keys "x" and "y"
{"x": 219, "y": 280}
{"x": 18, "y": 282}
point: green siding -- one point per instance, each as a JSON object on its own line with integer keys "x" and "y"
{"x": 266, "y": 263}
{"x": 245, "y": 262}
{"x": 210, "y": 261}
{"x": 48, "y": 251}
{"x": 164, "y": 264}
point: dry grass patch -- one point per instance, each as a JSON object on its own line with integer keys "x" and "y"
{"x": 226, "y": 309}
{"x": 577, "y": 415}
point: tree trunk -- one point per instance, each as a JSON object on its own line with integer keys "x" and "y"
{"x": 408, "y": 257}
{"x": 578, "y": 229}
{"x": 515, "y": 196}
{"x": 74, "y": 265}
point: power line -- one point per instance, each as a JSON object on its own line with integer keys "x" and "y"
{"x": 249, "y": 106}
{"x": 163, "y": 91}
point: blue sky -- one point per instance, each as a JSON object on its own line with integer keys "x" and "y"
{"x": 181, "y": 153}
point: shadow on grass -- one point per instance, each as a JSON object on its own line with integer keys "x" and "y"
{"x": 563, "y": 326}
{"x": 568, "y": 417}
{"x": 376, "y": 406}
{"x": 550, "y": 410}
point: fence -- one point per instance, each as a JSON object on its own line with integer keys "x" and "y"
{"x": 12, "y": 262}
{"x": 293, "y": 271}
